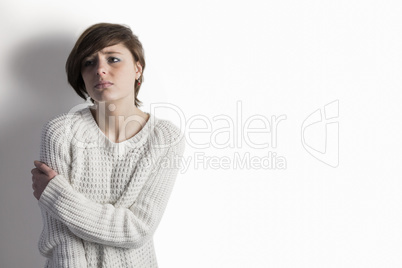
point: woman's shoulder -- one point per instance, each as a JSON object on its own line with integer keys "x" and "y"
{"x": 62, "y": 123}
{"x": 167, "y": 133}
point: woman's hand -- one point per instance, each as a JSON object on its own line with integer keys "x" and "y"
{"x": 41, "y": 175}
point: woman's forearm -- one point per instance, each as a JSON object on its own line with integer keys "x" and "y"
{"x": 107, "y": 224}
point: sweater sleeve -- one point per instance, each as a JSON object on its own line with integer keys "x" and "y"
{"x": 57, "y": 242}
{"x": 115, "y": 226}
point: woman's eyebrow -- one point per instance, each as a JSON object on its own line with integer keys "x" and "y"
{"x": 111, "y": 52}
{"x": 104, "y": 53}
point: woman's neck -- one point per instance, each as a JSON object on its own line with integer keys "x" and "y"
{"x": 119, "y": 123}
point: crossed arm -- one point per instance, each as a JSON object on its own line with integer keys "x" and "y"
{"x": 104, "y": 223}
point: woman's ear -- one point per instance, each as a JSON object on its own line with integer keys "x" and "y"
{"x": 138, "y": 69}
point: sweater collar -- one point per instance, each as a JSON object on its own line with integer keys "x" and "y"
{"x": 133, "y": 142}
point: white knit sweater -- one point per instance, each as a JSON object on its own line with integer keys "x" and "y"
{"x": 108, "y": 199}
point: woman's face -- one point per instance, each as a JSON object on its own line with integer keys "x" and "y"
{"x": 110, "y": 74}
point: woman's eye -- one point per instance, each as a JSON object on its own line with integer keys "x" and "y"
{"x": 88, "y": 63}
{"x": 113, "y": 59}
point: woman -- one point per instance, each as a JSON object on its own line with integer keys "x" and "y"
{"x": 106, "y": 171}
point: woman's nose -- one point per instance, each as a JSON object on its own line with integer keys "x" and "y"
{"x": 100, "y": 73}
{"x": 101, "y": 68}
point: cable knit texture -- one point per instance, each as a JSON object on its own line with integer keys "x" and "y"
{"x": 107, "y": 200}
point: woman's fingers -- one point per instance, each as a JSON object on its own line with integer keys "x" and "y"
{"x": 45, "y": 169}
{"x": 42, "y": 167}
{"x": 41, "y": 175}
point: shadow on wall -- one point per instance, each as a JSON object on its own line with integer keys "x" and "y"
{"x": 39, "y": 91}
{"x": 39, "y": 70}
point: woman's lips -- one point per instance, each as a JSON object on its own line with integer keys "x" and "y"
{"x": 104, "y": 84}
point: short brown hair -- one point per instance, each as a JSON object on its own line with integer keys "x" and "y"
{"x": 95, "y": 38}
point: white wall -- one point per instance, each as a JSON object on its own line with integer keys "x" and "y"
{"x": 208, "y": 58}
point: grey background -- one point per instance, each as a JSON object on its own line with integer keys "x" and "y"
{"x": 42, "y": 92}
